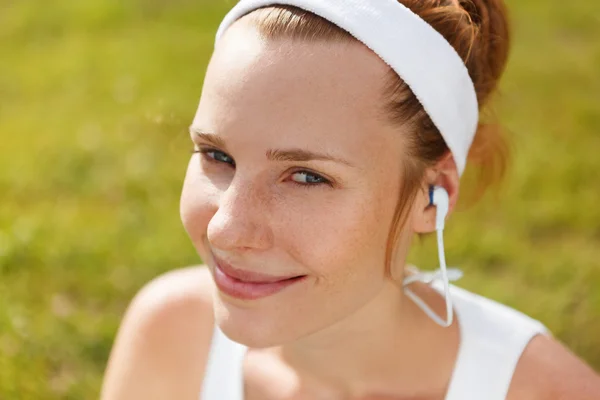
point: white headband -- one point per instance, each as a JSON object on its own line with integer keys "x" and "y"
{"x": 419, "y": 54}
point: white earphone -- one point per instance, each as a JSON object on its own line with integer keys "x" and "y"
{"x": 438, "y": 197}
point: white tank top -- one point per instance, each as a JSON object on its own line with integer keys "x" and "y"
{"x": 492, "y": 339}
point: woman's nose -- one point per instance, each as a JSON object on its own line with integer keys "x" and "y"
{"x": 242, "y": 219}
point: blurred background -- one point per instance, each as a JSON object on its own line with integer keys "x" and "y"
{"x": 95, "y": 100}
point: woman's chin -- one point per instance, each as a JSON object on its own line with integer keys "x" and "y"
{"x": 252, "y": 335}
{"x": 252, "y": 327}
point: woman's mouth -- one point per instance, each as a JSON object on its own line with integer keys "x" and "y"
{"x": 248, "y": 285}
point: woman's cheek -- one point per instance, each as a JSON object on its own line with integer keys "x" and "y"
{"x": 199, "y": 202}
{"x": 328, "y": 236}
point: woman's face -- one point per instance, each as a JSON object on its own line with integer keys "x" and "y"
{"x": 258, "y": 199}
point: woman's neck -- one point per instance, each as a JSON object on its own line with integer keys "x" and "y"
{"x": 389, "y": 346}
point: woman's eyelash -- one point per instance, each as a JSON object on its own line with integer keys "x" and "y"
{"x": 205, "y": 151}
{"x": 322, "y": 180}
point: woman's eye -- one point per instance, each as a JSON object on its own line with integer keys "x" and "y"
{"x": 217, "y": 156}
{"x": 308, "y": 178}
{"x": 302, "y": 178}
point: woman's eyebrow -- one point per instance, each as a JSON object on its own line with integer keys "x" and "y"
{"x": 274, "y": 154}
{"x": 302, "y": 155}
{"x": 209, "y": 137}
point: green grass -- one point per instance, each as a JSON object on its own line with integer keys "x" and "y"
{"x": 95, "y": 100}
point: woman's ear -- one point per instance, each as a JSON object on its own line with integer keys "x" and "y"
{"x": 444, "y": 174}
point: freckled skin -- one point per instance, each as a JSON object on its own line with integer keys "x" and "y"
{"x": 262, "y": 95}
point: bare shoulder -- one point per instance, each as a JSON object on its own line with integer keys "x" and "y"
{"x": 548, "y": 370}
{"x": 163, "y": 341}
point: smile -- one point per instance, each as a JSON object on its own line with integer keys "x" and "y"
{"x": 250, "y": 286}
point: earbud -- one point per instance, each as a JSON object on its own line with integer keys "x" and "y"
{"x": 438, "y": 197}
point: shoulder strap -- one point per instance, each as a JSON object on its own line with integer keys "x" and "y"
{"x": 223, "y": 379}
{"x": 493, "y": 338}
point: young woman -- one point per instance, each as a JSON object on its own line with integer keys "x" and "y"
{"x": 329, "y": 133}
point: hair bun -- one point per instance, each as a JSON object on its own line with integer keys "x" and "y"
{"x": 491, "y": 43}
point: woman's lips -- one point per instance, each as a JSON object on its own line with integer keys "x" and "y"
{"x": 249, "y": 285}
{"x": 247, "y": 276}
